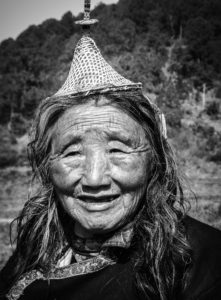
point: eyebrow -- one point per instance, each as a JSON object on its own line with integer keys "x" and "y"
{"x": 70, "y": 140}
{"x": 118, "y": 136}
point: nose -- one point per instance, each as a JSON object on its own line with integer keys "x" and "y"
{"x": 96, "y": 172}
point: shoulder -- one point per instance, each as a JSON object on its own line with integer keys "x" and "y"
{"x": 205, "y": 274}
{"x": 204, "y": 240}
{"x": 30, "y": 286}
{"x": 197, "y": 229}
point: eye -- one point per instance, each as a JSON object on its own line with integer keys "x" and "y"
{"x": 72, "y": 153}
{"x": 116, "y": 150}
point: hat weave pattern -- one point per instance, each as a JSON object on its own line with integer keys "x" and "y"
{"x": 90, "y": 72}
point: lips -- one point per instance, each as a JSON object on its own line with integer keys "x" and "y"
{"x": 97, "y": 199}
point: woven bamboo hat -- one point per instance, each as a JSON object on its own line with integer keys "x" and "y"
{"x": 89, "y": 72}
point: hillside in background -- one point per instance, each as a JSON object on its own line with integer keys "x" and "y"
{"x": 172, "y": 46}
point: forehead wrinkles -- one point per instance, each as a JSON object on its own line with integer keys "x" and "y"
{"x": 91, "y": 119}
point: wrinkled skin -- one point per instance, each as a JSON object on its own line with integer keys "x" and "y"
{"x": 98, "y": 166}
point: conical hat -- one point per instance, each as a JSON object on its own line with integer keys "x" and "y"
{"x": 90, "y": 73}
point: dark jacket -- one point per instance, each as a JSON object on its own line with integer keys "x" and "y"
{"x": 205, "y": 275}
{"x": 115, "y": 281}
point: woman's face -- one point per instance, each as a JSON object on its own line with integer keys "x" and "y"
{"x": 98, "y": 166}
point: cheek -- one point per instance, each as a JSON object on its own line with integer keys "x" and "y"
{"x": 63, "y": 177}
{"x": 72, "y": 208}
{"x": 132, "y": 171}
{"x": 67, "y": 202}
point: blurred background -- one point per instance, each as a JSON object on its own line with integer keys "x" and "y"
{"x": 172, "y": 46}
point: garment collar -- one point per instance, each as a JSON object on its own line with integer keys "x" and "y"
{"x": 83, "y": 249}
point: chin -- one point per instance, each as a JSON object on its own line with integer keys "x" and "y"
{"x": 100, "y": 228}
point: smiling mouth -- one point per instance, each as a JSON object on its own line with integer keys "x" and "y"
{"x": 101, "y": 199}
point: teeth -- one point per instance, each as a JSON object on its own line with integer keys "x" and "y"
{"x": 94, "y": 200}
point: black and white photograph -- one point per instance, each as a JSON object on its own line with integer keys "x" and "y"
{"x": 110, "y": 150}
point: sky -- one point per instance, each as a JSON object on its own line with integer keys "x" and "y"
{"x": 17, "y": 15}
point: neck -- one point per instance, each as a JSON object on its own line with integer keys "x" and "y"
{"x": 90, "y": 234}
{"x": 82, "y": 232}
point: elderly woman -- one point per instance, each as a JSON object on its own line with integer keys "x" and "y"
{"x": 108, "y": 220}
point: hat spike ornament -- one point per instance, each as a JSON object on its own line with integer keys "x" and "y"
{"x": 90, "y": 73}
{"x": 87, "y": 21}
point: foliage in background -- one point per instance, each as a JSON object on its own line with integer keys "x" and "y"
{"x": 171, "y": 46}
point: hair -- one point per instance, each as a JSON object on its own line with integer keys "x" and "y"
{"x": 160, "y": 250}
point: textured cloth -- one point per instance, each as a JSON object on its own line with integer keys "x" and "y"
{"x": 121, "y": 239}
{"x": 83, "y": 249}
